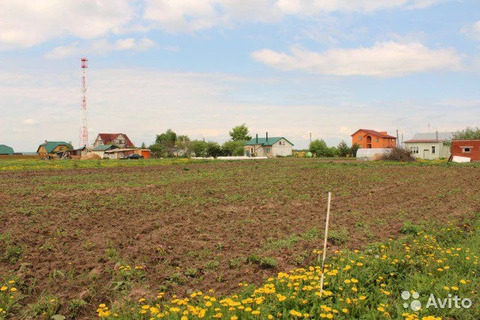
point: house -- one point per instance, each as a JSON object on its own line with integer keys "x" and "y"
{"x": 53, "y": 147}
{"x": 121, "y": 140}
{"x": 367, "y": 138}
{"x": 101, "y": 149}
{"x": 6, "y": 150}
{"x": 430, "y": 145}
{"x": 466, "y": 148}
{"x": 268, "y": 147}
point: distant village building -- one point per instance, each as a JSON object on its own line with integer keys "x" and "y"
{"x": 6, "y": 150}
{"x": 101, "y": 149}
{"x": 53, "y": 147}
{"x": 466, "y": 149}
{"x": 372, "y": 139}
{"x": 268, "y": 147}
{"x": 430, "y": 145}
{"x": 121, "y": 140}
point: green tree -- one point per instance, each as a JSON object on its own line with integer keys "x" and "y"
{"x": 343, "y": 149}
{"x": 182, "y": 142}
{"x": 467, "y": 134}
{"x": 320, "y": 148}
{"x": 240, "y": 132}
{"x": 143, "y": 145}
{"x": 198, "y": 148}
{"x": 213, "y": 149}
{"x": 354, "y": 149}
{"x": 157, "y": 150}
{"x": 167, "y": 139}
{"x": 234, "y": 148}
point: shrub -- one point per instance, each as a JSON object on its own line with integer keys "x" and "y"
{"x": 13, "y": 254}
{"x": 338, "y": 236}
{"x": 409, "y": 228}
{"x": 398, "y": 154}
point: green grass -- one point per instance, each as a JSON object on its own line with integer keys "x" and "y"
{"x": 358, "y": 285}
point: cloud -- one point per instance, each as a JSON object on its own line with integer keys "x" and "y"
{"x": 472, "y": 31}
{"x": 26, "y": 23}
{"x": 30, "y": 122}
{"x": 101, "y": 46}
{"x": 194, "y": 15}
{"x": 384, "y": 59}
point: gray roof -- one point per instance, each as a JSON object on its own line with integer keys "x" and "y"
{"x": 431, "y": 136}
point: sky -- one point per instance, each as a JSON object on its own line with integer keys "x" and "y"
{"x": 201, "y": 67}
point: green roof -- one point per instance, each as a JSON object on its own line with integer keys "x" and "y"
{"x": 104, "y": 147}
{"x": 5, "y": 149}
{"x": 51, "y": 145}
{"x": 264, "y": 142}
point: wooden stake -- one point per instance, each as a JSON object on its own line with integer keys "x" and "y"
{"x": 325, "y": 242}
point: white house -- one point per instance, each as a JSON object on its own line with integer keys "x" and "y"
{"x": 268, "y": 147}
{"x": 430, "y": 145}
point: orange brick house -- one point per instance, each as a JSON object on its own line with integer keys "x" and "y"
{"x": 373, "y": 139}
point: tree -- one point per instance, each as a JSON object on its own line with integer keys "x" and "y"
{"x": 167, "y": 139}
{"x": 182, "y": 142}
{"x": 198, "y": 148}
{"x": 343, "y": 149}
{"x": 467, "y": 134}
{"x": 157, "y": 150}
{"x": 143, "y": 145}
{"x": 240, "y": 132}
{"x": 234, "y": 148}
{"x": 354, "y": 149}
{"x": 213, "y": 149}
{"x": 319, "y": 148}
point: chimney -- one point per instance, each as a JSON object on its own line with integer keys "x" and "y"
{"x": 266, "y": 135}
{"x": 436, "y": 135}
{"x": 383, "y": 133}
{"x": 256, "y": 139}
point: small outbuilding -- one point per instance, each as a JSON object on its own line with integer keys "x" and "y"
{"x": 6, "y": 150}
{"x": 101, "y": 149}
{"x": 466, "y": 149}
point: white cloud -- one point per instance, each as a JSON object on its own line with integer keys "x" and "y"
{"x": 384, "y": 59}
{"x": 25, "y": 23}
{"x": 101, "y": 46}
{"x": 472, "y": 31}
{"x": 194, "y": 15}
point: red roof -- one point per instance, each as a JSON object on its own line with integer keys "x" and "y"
{"x": 109, "y": 137}
{"x": 375, "y": 133}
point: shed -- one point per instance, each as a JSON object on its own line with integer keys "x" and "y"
{"x": 101, "y": 149}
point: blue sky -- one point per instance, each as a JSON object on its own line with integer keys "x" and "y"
{"x": 289, "y": 67}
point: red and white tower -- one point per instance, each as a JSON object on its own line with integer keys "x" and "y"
{"x": 83, "y": 128}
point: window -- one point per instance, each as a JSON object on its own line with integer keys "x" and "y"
{"x": 433, "y": 149}
{"x": 377, "y": 140}
{"x": 466, "y": 149}
{"x": 360, "y": 138}
{"x": 267, "y": 150}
